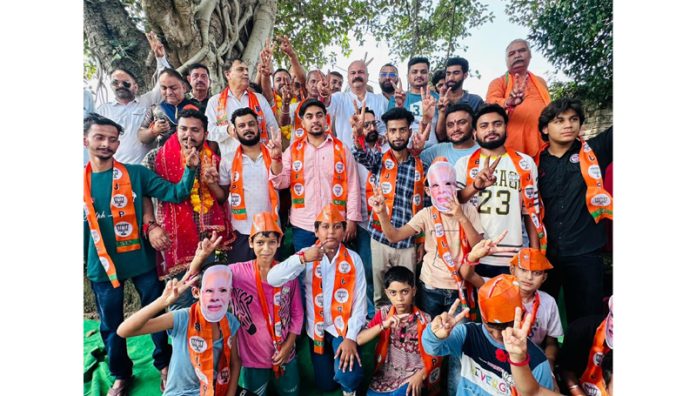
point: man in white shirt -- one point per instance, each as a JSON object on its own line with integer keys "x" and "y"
{"x": 236, "y": 95}
{"x": 129, "y": 110}
{"x": 335, "y": 335}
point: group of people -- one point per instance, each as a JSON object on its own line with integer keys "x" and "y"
{"x": 438, "y": 223}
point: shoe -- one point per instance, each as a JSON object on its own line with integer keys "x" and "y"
{"x": 163, "y": 378}
{"x": 121, "y": 389}
{"x": 348, "y": 393}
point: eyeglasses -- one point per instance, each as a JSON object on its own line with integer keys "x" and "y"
{"x": 116, "y": 83}
{"x": 387, "y": 75}
{"x": 369, "y": 124}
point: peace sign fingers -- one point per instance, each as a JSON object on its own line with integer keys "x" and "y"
{"x": 495, "y": 163}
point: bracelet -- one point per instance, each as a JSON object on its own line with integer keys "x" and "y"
{"x": 519, "y": 364}
{"x": 147, "y": 227}
{"x": 476, "y": 188}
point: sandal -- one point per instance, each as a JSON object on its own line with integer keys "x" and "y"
{"x": 121, "y": 390}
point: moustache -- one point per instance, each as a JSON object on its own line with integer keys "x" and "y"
{"x": 356, "y": 79}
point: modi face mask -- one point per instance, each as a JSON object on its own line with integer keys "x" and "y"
{"x": 442, "y": 181}
{"x": 215, "y": 293}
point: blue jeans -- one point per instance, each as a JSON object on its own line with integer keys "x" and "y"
{"x": 400, "y": 391}
{"x": 109, "y": 302}
{"x": 361, "y": 245}
{"x": 327, "y": 376}
{"x": 302, "y": 238}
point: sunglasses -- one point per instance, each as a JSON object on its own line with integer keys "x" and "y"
{"x": 387, "y": 75}
{"x": 116, "y": 83}
{"x": 369, "y": 124}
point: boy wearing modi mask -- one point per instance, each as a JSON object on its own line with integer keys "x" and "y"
{"x": 449, "y": 228}
{"x": 204, "y": 336}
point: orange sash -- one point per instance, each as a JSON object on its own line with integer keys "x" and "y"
{"x": 599, "y": 201}
{"x": 528, "y": 188}
{"x": 339, "y": 183}
{"x": 221, "y": 111}
{"x": 592, "y": 380}
{"x": 275, "y": 329}
{"x": 200, "y": 346}
{"x": 443, "y": 251}
{"x": 342, "y": 301}
{"x": 387, "y": 180}
{"x": 535, "y": 308}
{"x": 122, "y": 214}
{"x": 239, "y": 211}
{"x": 510, "y": 82}
{"x": 432, "y": 363}
{"x": 299, "y": 132}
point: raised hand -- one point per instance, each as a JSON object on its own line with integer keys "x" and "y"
{"x": 515, "y": 337}
{"x": 399, "y": 95}
{"x": 517, "y": 94}
{"x": 210, "y": 174}
{"x": 357, "y": 120}
{"x": 391, "y": 321}
{"x": 376, "y": 201}
{"x": 455, "y": 209}
{"x": 428, "y": 104}
{"x": 174, "y": 288}
{"x": 444, "y": 100}
{"x": 443, "y": 324}
{"x": 155, "y": 44}
{"x": 286, "y": 46}
{"x": 275, "y": 143}
{"x": 323, "y": 85}
{"x": 487, "y": 247}
{"x": 314, "y": 252}
{"x": 422, "y": 135}
{"x": 486, "y": 175}
{"x": 192, "y": 157}
{"x": 286, "y": 94}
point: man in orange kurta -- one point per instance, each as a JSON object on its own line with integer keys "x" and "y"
{"x": 524, "y": 95}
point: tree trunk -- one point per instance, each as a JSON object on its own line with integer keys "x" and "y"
{"x": 192, "y": 31}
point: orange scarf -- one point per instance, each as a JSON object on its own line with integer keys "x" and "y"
{"x": 123, "y": 216}
{"x": 239, "y": 211}
{"x": 342, "y": 301}
{"x": 535, "y": 309}
{"x": 592, "y": 380}
{"x": 599, "y": 201}
{"x": 432, "y": 363}
{"x": 275, "y": 329}
{"x": 200, "y": 348}
{"x": 443, "y": 251}
{"x": 299, "y": 132}
{"x": 387, "y": 180}
{"x": 339, "y": 190}
{"x": 543, "y": 92}
{"x": 221, "y": 111}
{"x": 528, "y": 188}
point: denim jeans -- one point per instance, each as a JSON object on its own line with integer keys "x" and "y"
{"x": 109, "y": 302}
{"x": 400, "y": 391}
{"x": 302, "y": 238}
{"x": 327, "y": 376}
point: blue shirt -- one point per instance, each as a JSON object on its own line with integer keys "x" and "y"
{"x": 447, "y": 150}
{"x": 482, "y": 373}
{"x": 414, "y": 104}
{"x": 182, "y": 379}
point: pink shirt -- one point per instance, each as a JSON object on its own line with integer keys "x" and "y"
{"x": 318, "y": 178}
{"x": 255, "y": 343}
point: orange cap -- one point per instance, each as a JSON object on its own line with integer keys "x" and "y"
{"x": 329, "y": 214}
{"x": 531, "y": 259}
{"x": 265, "y": 222}
{"x": 498, "y": 299}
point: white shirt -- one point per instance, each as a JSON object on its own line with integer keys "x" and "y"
{"x": 341, "y": 109}
{"x": 255, "y": 185}
{"x": 500, "y": 206}
{"x": 292, "y": 268}
{"x": 548, "y": 320}
{"x": 219, "y": 133}
{"x": 130, "y": 116}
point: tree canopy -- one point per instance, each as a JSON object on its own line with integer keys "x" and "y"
{"x": 577, "y": 37}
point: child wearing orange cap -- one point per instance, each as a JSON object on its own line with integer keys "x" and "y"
{"x": 485, "y": 364}
{"x": 270, "y": 317}
{"x": 335, "y": 302}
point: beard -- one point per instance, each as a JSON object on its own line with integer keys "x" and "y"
{"x": 398, "y": 147}
{"x": 463, "y": 139}
{"x": 492, "y": 144}
{"x": 249, "y": 142}
{"x": 124, "y": 94}
{"x": 387, "y": 88}
{"x": 372, "y": 137}
{"x": 455, "y": 85}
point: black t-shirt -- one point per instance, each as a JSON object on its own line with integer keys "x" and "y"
{"x": 571, "y": 229}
